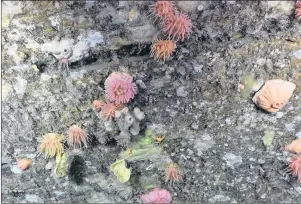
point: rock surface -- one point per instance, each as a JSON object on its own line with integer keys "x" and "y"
{"x": 222, "y": 155}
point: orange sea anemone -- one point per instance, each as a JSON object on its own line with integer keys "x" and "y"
{"x": 162, "y": 49}
{"x": 52, "y": 144}
{"x": 173, "y": 173}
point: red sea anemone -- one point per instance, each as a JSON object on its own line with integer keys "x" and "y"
{"x": 177, "y": 26}
{"x": 162, "y": 9}
{"x": 119, "y": 88}
{"x": 294, "y": 166}
{"x": 157, "y": 195}
{"x": 162, "y": 49}
{"x": 298, "y": 10}
{"x": 76, "y": 137}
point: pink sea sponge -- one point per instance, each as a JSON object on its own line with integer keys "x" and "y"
{"x": 294, "y": 166}
{"x": 162, "y": 9}
{"x": 298, "y": 10}
{"x": 157, "y": 195}
{"x": 119, "y": 88}
{"x": 76, "y": 137}
{"x": 177, "y": 26}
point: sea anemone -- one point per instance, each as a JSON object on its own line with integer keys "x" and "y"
{"x": 98, "y": 104}
{"x": 157, "y": 195}
{"x": 173, "y": 173}
{"x": 162, "y": 49}
{"x": 177, "y": 26}
{"x": 162, "y": 9}
{"x": 76, "y": 137}
{"x": 298, "y": 10}
{"x": 52, "y": 144}
{"x": 294, "y": 166}
{"x": 119, "y": 88}
{"x": 108, "y": 111}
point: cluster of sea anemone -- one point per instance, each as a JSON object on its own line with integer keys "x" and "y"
{"x": 176, "y": 25}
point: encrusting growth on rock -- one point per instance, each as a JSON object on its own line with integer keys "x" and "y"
{"x": 274, "y": 95}
{"x": 294, "y": 146}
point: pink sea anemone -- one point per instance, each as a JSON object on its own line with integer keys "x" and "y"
{"x": 298, "y": 10}
{"x": 108, "y": 111}
{"x": 173, "y": 173}
{"x": 119, "y": 88}
{"x": 177, "y": 26}
{"x": 76, "y": 137}
{"x": 98, "y": 105}
{"x": 157, "y": 195}
{"x": 162, "y": 9}
{"x": 294, "y": 166}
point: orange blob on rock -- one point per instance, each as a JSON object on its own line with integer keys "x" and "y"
{"x": 162, "y": 49}
{"x": 274, "y": 95}
{"x": 294, "y": 147}
{"x": 23, "y": 163}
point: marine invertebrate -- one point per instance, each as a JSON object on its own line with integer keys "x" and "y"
{"x": 119, "y": 88}
{"x": 294, "y": 166}
{"x": 162, "y": 49}
{"x": 157, "y": 195}
{"x": 121, "y": 171}
{"x": 177, "y": 26}
{"x": 158, "y": 139}
{"x": 294, "y": 146}
{"x": 98, "y": 104}
{"x": 274, "y": 95}
{"x": 162, "y": 9}
{"x": 76, "y": 137}
{"x": 108, "y": 111}
{"x": 52, "y": 144}
{"x": 173, "y": 173}
{"x": 298, "y": 10}
{"x": 60, "y": 165}
{"x": 23, "y": 163}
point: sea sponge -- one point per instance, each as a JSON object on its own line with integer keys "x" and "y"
{"x": 298, "y": 10}
{"x": 162, "y": 49}
{"x": 294, "y": 146}
{"x": 76, "y": 137}
{"x": 23, "y": 163}
{"x": 274, "y": 95}
{"x": 119, "y": 88}
{"x": 157, "y": 195}
{"x": 177, "y": 26}
{"x": 52, "y": 144}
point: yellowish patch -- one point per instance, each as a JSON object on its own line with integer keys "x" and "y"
{"x": 121, "y": 171}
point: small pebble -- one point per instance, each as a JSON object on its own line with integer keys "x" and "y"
{"x": 279, "y": 114}
{"x": 194, "y": 126}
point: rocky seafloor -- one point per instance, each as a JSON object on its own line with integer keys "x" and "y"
{"x": 213, "y": 131}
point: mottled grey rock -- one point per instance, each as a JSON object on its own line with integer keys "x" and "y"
{"x": 232, "y": 160}
{"x": 290, "y": 126}
{"x": 297, "y": 54}
{"x": 181, "y": 91}
{"x": 203, "y": 143}
{"x": 31, "y": 198}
